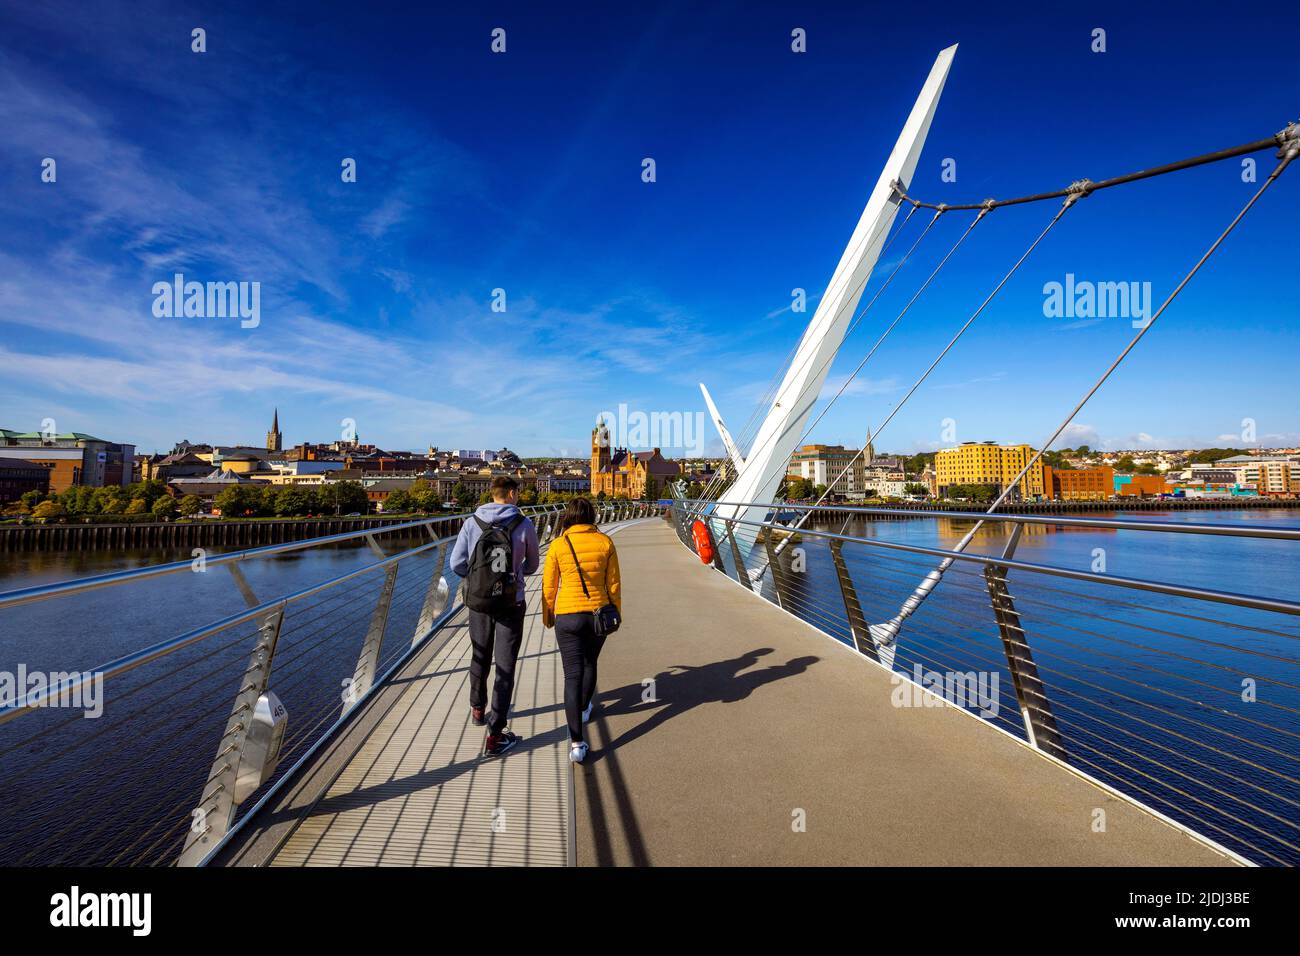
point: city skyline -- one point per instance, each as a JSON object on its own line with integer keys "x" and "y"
{"x": 713, "y": 450}
{"x": 376, "y": 296}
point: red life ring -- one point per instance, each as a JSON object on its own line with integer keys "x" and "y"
{"x": 703, "y": 543}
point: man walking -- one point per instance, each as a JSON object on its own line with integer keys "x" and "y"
{"x": 496, "y": 548}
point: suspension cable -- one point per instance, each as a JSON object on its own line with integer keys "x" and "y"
{"x": 1289, "y": 151}
{"x": 1274, "y": 141}
{"x": 900, "y": 315}
{"x": 897, "y": 319}
{"x": 1070, "y": 194}
{"x": 1078, "y": 190}
{"x": 751, "y": 426}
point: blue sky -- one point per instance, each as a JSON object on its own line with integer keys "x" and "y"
{"x": 522, "y": 171}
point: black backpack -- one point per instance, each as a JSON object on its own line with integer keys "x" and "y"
{"x": 490, "y": 585}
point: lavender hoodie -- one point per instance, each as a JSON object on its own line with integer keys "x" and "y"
{"x": 523, "y": 541}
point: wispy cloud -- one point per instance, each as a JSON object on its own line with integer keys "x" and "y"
{"x": 977, "y": 380}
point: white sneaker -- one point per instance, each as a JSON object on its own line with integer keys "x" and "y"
{"x": 578, "y": 752}
{"x": 586, "y": 714}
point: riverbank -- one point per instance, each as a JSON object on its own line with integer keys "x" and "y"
{"x": 211, "y": 532}
{"x": 1086, "y": 507}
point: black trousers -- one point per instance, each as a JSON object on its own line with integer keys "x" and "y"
{"x": 579, "y": 649}
{"x": 501, "y": 634}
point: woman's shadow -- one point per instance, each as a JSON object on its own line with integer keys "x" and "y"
{"x": 681, "y": 688}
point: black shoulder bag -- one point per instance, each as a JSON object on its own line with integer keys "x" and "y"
{"x": 606, "y": 619}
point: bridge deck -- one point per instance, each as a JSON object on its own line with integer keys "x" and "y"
{"x": 758, "y": 716}
{"x": 419, "y": 791}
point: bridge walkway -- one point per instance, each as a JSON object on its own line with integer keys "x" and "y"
{"x": 418, "y": 790}
{"x": 768, "y": 743}
{"x": 726, "y": 732}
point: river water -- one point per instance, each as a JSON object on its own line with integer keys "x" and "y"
{"x": 1147, "y": 689}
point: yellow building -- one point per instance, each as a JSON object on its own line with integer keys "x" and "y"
{"x": 985, "y": 463}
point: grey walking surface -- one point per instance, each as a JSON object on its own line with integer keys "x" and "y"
{"x": 763, "y": 742}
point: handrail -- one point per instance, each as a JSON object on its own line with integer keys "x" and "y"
{"x": 1235, "y": 531}
{"x": 131, "y": 661}
{"x": 42, "y": 592}
{"x": 290, "y": 653}
{"x": 1175, "y": 590}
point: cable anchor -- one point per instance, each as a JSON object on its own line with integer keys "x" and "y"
{"x": 1077, "y": 190}
{"x": 1289, "y": 141}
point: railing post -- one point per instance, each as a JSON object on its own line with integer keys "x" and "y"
{"x": 363, "y": 677}
{"x": 435, "y": 598}
{"x": 852, "y": 609}
{"x": 211, "y": 819}
{"x": 742, "y": 572}
{"x": 779, "y": 580}
{"x": 713, "y": 546}
{"x": 1031, "y": 694}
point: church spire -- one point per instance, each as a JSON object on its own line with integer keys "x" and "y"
{"x": 274, "y": 441}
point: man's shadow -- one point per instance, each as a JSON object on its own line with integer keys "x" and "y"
{"x": 682, "y": 688}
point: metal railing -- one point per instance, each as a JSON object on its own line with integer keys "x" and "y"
{"x": 262, "y": 687}
{"x": 1160, "y": 684}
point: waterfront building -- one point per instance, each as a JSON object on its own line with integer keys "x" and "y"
{"x": 1213, "y": 489}
{"x": 1273, "y": 477}
{"x": 563, "y": 484}
{"x": 377, "y": 492}
{"x": 1079, "y": 484}
{"x": 991, "y": 464}
{"x": 207, "y": 487}
{"x": 840, "y": 469}
{"x": 223, "y": 453}
{"x": 1142, "y": 486}
{"x": 19, "y": 476}
{"x": 301, "y": 472}
{"x": 1211, "y": 473}
{"x": 177, "y": 465}
{"x": 72, "y": 458}
{"x": 886, "y": 487}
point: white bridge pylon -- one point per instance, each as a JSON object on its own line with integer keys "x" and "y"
{"x": 760, "y": 472}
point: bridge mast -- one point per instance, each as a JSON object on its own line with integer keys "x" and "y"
{"x": 760, "y": 476}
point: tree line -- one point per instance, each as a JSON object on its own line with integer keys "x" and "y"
{"x": 152, "y": 498}
{"x": 289, "y": 501}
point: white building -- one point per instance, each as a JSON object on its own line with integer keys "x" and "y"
{"x": 824, "y": 464}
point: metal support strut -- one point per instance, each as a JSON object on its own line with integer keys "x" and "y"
{"x": 1031, "y": 694}
{"x": 212, "y": 818}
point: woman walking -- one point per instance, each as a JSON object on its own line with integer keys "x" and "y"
{"x": 581, "y": 599}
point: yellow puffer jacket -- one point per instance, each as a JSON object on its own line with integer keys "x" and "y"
{"x": 561, "y": 587}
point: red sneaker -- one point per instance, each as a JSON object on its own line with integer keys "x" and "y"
{"x": 476, "y": 715}
{"x": 497, "y": 744}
